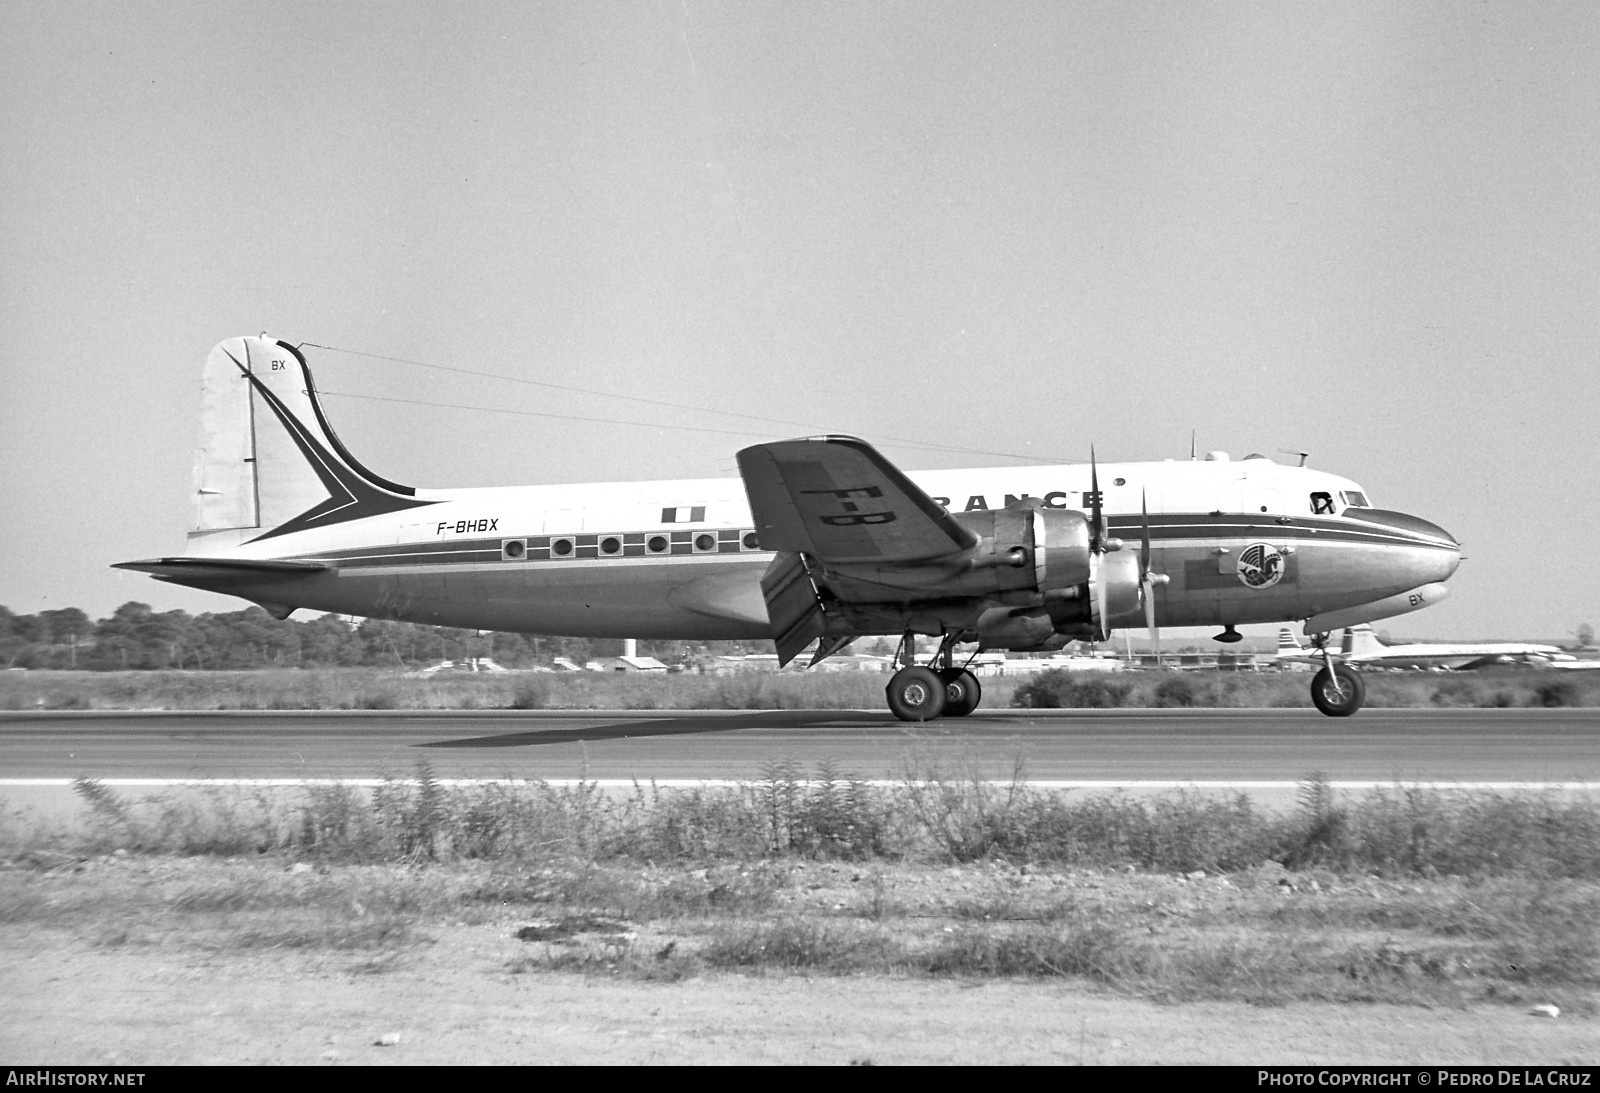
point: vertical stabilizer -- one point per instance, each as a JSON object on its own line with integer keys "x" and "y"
{"x": 267, "y": 462}
{"x": 1360, "y": 641}
{"x": 1287, "y": 645}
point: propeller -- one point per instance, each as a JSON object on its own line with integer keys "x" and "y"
{"x": 1099, "y": 542}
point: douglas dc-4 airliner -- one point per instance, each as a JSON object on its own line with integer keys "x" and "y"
{"x": 820, "y": 541}
{"x": 1361, "y": 646}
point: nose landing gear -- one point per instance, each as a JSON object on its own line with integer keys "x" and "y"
{"x": 1336, "y": 689}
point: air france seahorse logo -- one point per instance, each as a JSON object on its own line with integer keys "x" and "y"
{"x": 1260, "y": 566}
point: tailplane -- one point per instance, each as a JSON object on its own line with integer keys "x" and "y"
{"x": 1287, "y": 645}
{"x": 267, "y": 463}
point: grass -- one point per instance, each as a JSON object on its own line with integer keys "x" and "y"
{"x": 1397, "y": 895}
{"x": 372, "y": 689}
{"x": 929, "y": 815}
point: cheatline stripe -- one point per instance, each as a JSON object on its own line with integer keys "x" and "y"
{"x": 701, "y": 783}
{"x": 1177, "y": 532}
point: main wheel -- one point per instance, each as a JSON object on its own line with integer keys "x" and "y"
{"x": 916, "y": 694}
{"x": 1340, "y": 693}
{"x": 962, "y": 692}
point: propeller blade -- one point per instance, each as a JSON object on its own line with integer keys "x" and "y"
{"x": 1150, "y": 620}
{"x": 1144, "y": 545}
{"x": 1148, "y": 579}
{"x": 1097, "y": 519}
{"x": 1100, "y": 606}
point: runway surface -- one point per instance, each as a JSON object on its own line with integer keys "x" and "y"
{"x": 1213, "y": 747}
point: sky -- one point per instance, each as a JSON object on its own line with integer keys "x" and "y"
{"x": 530, "y": 242}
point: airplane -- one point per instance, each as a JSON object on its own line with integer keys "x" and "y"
{"x": 1361, "y": 646}
{"x": 1291, "y": 653}
{"x": 822, "y": 540}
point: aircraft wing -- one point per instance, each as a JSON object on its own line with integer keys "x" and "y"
{"x": 836, "y": 499}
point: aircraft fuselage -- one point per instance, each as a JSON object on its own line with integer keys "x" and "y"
{"x": 680, "y": 559}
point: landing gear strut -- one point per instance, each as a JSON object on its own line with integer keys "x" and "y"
{"x": 918, "y": 693}
{"x": 1336, "y": 690}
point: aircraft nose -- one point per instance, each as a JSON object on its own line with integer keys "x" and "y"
{"x": 1446, "y": 547}
{"x": 1434, "y": 553}
{"x": 1447, "y": 555}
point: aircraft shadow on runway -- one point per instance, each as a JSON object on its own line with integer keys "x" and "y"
{"x": 665, "y": 726}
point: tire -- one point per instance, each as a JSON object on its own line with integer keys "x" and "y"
{"x": 962, "y": 692}
{"x": 1341, "y": 696}
{"x": 916, "y": 694}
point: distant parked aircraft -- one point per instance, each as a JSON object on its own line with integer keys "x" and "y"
{"x": 1291, "y": 653}
{"x": 1362, "y": 647}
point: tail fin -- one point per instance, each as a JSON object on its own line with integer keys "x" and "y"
{"x": 1287, "y": 645}
{"x": 267, "y": 461}
{"x": 1361, "y": 641}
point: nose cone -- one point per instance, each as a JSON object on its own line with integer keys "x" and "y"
{"x": 1429, "y": 552}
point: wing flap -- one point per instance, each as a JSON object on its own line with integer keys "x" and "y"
{"x": 838, "y": 500}
{"x": 793, "y": 607}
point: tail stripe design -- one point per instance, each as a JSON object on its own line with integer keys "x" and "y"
{"x": 353, "y": 493}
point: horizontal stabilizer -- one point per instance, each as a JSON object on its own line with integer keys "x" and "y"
{"x": 182, "y": 568}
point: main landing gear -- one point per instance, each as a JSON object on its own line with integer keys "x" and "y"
{"x": 940, "y": 689}
{"x": 1336, "y": 689}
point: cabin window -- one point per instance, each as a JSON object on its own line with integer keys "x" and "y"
{"x": 514, "y": 550}
{"x": 1356, "y": 499}
{"x": 749, "y": 541}
{"x": 657, "y": 544}
{"x": 561, "y": 546}
{"x": 610, "y": 546}
{"x": 704, "y": 544}
{"x": 1322, "y": 503}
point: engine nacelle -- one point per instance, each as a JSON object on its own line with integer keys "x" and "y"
{"x": 1077, "y": 611}
{"x": 1119, "y": 572}
{"x": 1066, "y": 574}
{"x": 1023, "y": 631}
{"x": 1030, "y": 547}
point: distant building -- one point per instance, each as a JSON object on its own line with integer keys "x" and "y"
{"x": 625, "y": 664}
{"x": 470, "y": 664}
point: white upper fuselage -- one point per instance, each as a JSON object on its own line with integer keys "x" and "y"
{"x": 1254, "y": 485}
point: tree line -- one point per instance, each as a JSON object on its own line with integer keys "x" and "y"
{"x": 135, "y": 637}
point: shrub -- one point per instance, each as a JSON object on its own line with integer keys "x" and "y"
{"x": 1062, "y": 689}
{"x": 1176, "y": 691}
{"x": 1559, "y": 692}
{"x": 531, "y": 693}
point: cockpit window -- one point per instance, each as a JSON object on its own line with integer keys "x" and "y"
{"x": 1322, "y": 503}
{"x": 1356, "y": 499}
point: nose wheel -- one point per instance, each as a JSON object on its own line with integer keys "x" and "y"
{"x": 1336, "y": 690}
